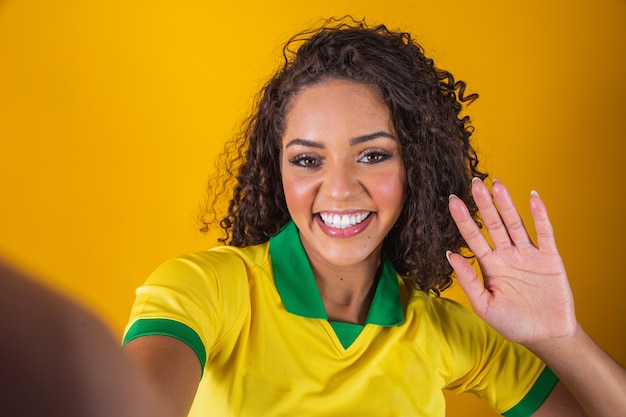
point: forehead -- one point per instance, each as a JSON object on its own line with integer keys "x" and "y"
{"x": 339, "y": 107}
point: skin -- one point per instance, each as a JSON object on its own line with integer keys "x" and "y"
{"x": 340, "y": 157}
{"x": 172, "y": 367}
{"x": 57, "y": 359}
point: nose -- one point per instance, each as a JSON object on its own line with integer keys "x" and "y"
{"x": 341, "y": 182}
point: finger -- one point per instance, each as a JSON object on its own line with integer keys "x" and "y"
{"x": 468, "y": 227}
{"x": 469, "y": 280}
{"x": 543, "y": 227}
{"x": 490, "y": 215}
{"x": 510, "y": 216}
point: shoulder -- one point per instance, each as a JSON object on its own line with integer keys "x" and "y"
{"x": 429, "y": 306}
{"x": 205, "y": 291}
{"x": 221, "y": 263}
{"x": 224, "y": 256}
{"x": 214, "y": 281}
{"x": 444, "y": 319}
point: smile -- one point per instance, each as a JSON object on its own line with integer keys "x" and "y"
{"x": 343, "y": 221}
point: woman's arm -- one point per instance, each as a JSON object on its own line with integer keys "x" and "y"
{"x": 527, "y": 298}
{"x": 171, "y": 366}
{"x": 58, "y": 359}
{"x": 596, "y": 381}
{"x": 560, "y": 403}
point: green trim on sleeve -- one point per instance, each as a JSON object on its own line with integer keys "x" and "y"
{"x": 536, "y": 396}
{"x": 167, "y": 327}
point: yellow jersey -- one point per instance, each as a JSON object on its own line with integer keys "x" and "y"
{"x": 256, "y": 320}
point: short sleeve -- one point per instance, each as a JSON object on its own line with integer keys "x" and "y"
{"x": 184, "y": 298}
{"x": 506, "y": 375}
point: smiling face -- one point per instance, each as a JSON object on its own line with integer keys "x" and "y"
{"x": 342, "y": 171}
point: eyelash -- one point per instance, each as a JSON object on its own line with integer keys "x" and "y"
{"x": 300, "y": 160}
{"x": 312, "y": 161}
{"x": 379, "y": 154}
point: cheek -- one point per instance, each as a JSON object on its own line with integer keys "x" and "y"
{"x": 297, "y": 192}
{"x": 392, "y": 188}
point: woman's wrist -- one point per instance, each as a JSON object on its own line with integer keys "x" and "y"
{"x": 596, "y": 380}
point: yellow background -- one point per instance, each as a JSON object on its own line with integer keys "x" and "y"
{"x": 112, "y": 112}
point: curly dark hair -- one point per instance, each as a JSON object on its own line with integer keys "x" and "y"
{"x": 425, "y": 104}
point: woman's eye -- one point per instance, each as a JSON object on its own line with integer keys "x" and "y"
{"x": 375, "y": 157}
{"x": 304, "y": 161}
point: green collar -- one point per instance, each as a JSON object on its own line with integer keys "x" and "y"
{"x": 298, "y": 289}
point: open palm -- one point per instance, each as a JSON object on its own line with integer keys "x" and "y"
{"x": 525, "y": 294}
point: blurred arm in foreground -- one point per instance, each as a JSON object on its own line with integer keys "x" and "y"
{"x": 58, "y": 359}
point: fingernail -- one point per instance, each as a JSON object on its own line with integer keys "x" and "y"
{"x": 448, "y": 253}
{"x": 534, "y": 193}
{"x": 476, "y": 179}
{"x": 495, "y": 180}
{"x": 451, "y": 196}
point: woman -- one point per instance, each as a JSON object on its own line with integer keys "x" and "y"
{"x": 326, "y": 301}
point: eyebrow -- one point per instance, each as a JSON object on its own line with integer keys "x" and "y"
{"x": 371, "y": 136}
{"x": 353, "y": 141}
{"x": 305, "y": 142}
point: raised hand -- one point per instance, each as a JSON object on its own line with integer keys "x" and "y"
{"x": 525, "y": 294}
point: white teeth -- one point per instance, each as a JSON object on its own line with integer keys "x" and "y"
{"x": 343, "y": 221}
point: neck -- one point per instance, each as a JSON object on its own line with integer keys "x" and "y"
{"x": 347, "y": 292}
